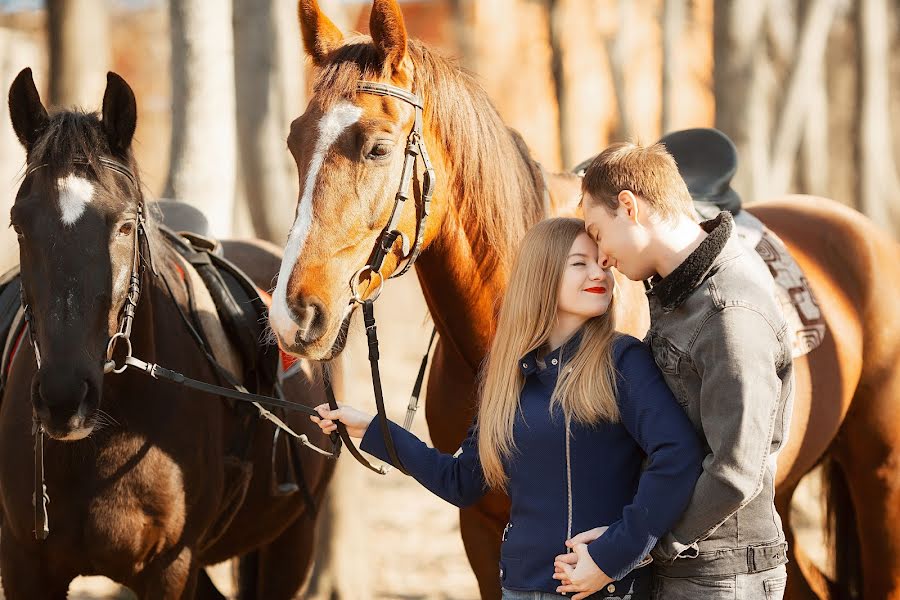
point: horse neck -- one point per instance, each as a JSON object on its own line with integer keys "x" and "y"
{"x": 462, "y": 286}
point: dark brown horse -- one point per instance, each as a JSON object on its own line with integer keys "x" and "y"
{"x": 349, "y": 145}
{"x": 148, "y": 481}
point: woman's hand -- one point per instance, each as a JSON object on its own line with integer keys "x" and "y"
{"x": 354, "y": 420}
{"x": 584, "y": 579}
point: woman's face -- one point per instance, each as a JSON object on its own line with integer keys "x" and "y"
{"x": 586, "y": 288}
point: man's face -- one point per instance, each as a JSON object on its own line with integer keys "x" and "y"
{"x": 621, "y": 239}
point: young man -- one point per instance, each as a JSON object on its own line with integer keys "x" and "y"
{"x": 720, "y": 338}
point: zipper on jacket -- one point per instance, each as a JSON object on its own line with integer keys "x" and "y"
{"x": 568, "y": 484}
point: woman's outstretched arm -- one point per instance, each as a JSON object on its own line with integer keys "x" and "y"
{"x": 456, "y": 478}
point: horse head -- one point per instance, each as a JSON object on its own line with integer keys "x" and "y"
{"x": 350, "y": 146}
{"x": 76, "y": 218}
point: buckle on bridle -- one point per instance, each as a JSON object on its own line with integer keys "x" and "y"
{"x": 110, "y": 365}
{"x": 356, "y": 294}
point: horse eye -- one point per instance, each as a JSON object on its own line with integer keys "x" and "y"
{"x": 380, "y": 151}
{"x": 126, "y": 228}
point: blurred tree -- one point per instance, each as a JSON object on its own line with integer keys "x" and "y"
{"x": 78, "y": 40}
{"x": 202, "y": 161}
{"x": 805, "y": 118}
{"x": 269, "y": 82}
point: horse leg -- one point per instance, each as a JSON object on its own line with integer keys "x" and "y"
{"x": 482, "y": 527}
{"x": 282, "y": 565}
{"x": 171, "y": 576}
{"x": 868, "y": 452}
{"x": 805, "y": 581}
{"x": 26, "y": 575}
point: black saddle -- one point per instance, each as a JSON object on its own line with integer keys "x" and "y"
{"x": 181, "y": 216}
{"x": 706, "y": 159}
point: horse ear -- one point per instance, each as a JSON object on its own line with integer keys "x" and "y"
{"x": 320, "y": 35}
{"x": 119, "y": 113}
{"x": 389, "y": 32}
{"x": 28, "y": 115}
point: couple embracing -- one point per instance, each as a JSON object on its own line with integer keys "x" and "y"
{"x": 635, "y": 470}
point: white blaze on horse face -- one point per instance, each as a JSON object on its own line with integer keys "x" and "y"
{"x": 74, "y": 195}
{"x": 331, "y": 126}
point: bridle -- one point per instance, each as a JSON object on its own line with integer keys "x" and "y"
{"x": 415, "y": 147}
{"x": 123, "y": 331}
{"x": 139, "y": 265}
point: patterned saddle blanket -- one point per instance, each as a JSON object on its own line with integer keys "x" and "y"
{"x": 801, "y": 309}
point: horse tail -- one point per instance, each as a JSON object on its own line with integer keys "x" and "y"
{"x": 840, "y": 531}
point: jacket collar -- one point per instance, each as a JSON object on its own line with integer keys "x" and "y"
{"x": 528, "y": 363}
{"x": 673, "y": 290}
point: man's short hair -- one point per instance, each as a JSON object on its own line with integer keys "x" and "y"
{"x": 647, "y": 171}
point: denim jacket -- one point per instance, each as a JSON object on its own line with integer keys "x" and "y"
{"x": 719, "y": 336}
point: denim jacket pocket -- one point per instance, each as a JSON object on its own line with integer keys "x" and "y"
{"x": 671, "y": 362}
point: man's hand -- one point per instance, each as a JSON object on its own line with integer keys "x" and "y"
{"x": 584, "y": 578}
{"x": 354, "y": 420}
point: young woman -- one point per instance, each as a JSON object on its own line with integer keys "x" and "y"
{"x": 569, "y": 410}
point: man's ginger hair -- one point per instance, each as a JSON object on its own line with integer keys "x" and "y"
{"x": 647, "y": 171}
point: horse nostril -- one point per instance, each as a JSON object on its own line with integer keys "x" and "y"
{"x": 309, "y": 315}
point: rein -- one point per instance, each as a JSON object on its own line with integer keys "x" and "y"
{"x": 415, "y": 147}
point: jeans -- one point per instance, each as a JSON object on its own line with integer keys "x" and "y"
{"x": 637, "y": 591}
{"x": 766, "y": 585}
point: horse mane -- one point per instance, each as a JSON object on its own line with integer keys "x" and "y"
{"x": 491, "y": 172}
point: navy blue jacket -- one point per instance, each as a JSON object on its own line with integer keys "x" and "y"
{"x": 609, "y": 486}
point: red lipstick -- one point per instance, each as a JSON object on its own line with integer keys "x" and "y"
{"x": 596, "y": 290}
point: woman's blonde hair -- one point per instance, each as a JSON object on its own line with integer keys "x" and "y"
{"x": 586, "y": 386}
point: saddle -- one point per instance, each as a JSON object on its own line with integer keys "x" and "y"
{"x": 240, "y": 308}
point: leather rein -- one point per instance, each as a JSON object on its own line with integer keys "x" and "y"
{"x": 415, "y": 147}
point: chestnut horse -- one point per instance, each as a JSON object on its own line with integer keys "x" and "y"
{"x": 349, "y": 149}
{"x": 148, "y": 481}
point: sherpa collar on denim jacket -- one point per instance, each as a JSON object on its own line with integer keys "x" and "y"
{"x": 673, "y": 290}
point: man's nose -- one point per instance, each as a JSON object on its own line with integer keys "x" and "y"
{"x": 603, "y": 260}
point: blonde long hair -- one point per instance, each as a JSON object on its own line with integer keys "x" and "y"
{"x": 585, "y": 388}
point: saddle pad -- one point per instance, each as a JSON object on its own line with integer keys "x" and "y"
{"x": 801, "y": 309}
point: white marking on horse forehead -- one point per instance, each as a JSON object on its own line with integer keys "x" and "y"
{"x": 74, "y": 194}
{"x": 331, "y": 126}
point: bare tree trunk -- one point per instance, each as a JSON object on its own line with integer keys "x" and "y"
{"x": 202, "y": 160}
{"x": 879, "y": 182}
{"x": 268, "y": 74}
{"x": 342, "y": 561}
{"x": 78, "y": 40}
{"x": 806, "y": 72}
{"x": 674, "y": 16}
{"x": 740, "y": 88}
{"x": 617, "y": 52}
{"x": 556, "y": 33}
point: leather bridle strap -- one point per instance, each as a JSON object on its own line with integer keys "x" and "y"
{"x": 415, "y": 147}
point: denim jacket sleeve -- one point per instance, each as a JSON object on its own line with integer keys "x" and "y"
{"x": 456, "y": 478}
{"x": 737, "y": 355}
{"x": 653, "y": 418}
